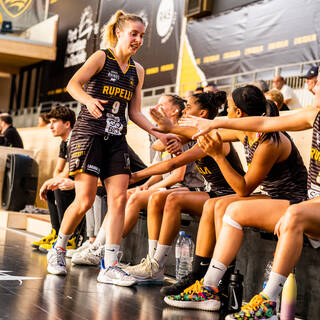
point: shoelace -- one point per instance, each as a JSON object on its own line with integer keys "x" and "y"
{"x": 118, "y": 270}
{"x": 119, "y": 257}
{"x": 58, "y": 258}
{"x": 253, "y": 304}
{"x": 195, "y": 288}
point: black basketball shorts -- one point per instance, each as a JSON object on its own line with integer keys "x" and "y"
{"x": 101, "y": 156}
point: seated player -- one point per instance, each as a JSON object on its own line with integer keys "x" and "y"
{"x": 164, "y": 212}
{"x": 293, "y": 220}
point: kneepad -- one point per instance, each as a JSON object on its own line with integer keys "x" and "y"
{"x": 227, "y": 219}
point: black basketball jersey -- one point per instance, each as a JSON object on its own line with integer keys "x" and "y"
{"x": 314, "y": 167}
{"x": 115, "y": 86}
{"x": 286, "y": 179}
{"x": 210, "y": 170}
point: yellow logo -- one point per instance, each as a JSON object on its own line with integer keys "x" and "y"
{"x": 14, "y": 8}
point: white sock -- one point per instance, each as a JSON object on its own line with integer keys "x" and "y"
{"x": 274, "y": 285}
{"x": 110, "y": 254}
{"x": 100, "y": 239}
{"x": 215, "y": 273}
{"x": 62, "y": 240}
{"x": 161, "y": 254}
{"x": 152, "y": 247}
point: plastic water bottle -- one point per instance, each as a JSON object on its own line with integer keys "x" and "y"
{"x": 186, "y": 257}
{"x": 178, "y": 252}
{"x": 191, "y": 253}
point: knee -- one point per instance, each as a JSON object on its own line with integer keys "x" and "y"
{"x": 84, "y": 204}
{"x": 156, "y": 199}
{"x": 293, "y": 219}
{"x": 174, "y": 201}
{"x": 117, "y": 200}
{"x": 232, "y": 218}
{"x": 208, "y": 212}
{"x": 219, "y": 209}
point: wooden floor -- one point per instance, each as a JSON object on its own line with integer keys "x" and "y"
{"x": 76, "y": 296}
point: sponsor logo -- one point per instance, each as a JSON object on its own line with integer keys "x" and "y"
{"x": 93, "y": 168}
{"x": 236, "y": 305}
{"x": 15, "y": 8}
{"x": 166, "y": 19}
{"x": 76, "y": 52}
{"x": 203, "y": 264}
{"x": 113, "y": 75}
{"x": 313, "y": 193}
{"x": 213, "y": 266}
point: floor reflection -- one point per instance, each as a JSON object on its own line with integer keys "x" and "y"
{"x": 76, "y": 296}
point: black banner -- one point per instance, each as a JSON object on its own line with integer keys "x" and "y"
{"x": 75, "y": 43}
{"x": 160, "y": 51}
{"x": 22, "y": 13}
{"x": 261, "y": 35}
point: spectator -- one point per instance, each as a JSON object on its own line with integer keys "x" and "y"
{"x": 10, "y": 136}
{"x": 198, "y": 90}
{"x": 277, "y": 97}
{"x": 210, "y": 87}
{"x": 311, "y": 79}
{"x": 289, "y": 97}
{"x": 59, "y": 190}
{"x": 43, "y": 121}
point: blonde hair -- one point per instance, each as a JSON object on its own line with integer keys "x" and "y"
{"x": 276, "y": 96}
{"x": 118, "y": 20}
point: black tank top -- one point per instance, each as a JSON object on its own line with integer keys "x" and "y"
{"x": 116, "y": 86}
{"x": 211, "y": 171}
{"x": 314, "y": 167}
{"x": 286, "y": 179}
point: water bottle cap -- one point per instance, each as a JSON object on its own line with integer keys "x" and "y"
{"x": 188, "y": 236}
{"x": 182, "y": 233}
{"x": 236, "y": 276}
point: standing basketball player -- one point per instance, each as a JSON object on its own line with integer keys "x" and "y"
{"x": 98, "y": 148}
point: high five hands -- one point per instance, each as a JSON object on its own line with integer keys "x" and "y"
{"x": 204, "y": 125}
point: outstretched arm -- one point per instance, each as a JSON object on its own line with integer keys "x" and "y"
{"x": 168, "y": 165}
{"x": 294, "y": 122}
{"x": 165, "y": 125}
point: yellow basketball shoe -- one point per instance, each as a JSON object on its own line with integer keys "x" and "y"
{"x": 45, "y": 240}
{"x": 70, "y": 246}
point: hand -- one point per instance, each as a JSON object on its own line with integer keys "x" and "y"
{"x": 174, "y": 146}
{"x": 44, "y": 189}
{"x": 65, "y": 184}
{"x": 161, "y": 119}
{"x": 165, "y": 138}
{"x": 142, "y": 188}
{"x": 132, "y": 179}
{"x": 211, "y": 146}
{"x": 204, "y": 125}
{"x": 94, "y": 106}
{"x": 278, "y": 227}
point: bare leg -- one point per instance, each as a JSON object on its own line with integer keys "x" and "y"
{"x": 182, "y": 201}
{"x": 137, "y": 201}
{"x": 299, "y": 218}
{"x": 116, "y": 187}
{"x": 86, "y": 187}
{"x": 260, "y": 213}
{"x": 206, "y": 237}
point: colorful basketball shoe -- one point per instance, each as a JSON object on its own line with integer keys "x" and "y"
{"x": 45, "y": 240}
{"x": 259, "y": 307}
{"x": 198, "y": 296}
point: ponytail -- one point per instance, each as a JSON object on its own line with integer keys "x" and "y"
{"x": 118, "y": 20}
